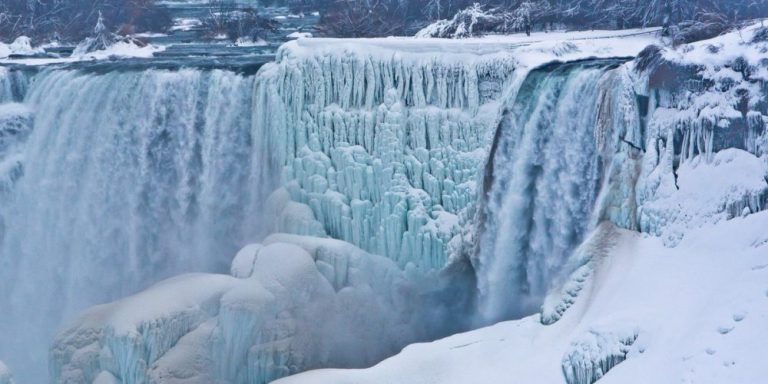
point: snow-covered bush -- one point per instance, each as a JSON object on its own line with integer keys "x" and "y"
{"x": 22, "y": 46}
{"x": 472, "y": 21}
{"x": 102, "y": 39}
{"x": 477, "y": 20}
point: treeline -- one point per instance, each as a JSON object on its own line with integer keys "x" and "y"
{"x": 73, "y": 20}
{"x": 360, "y": 18}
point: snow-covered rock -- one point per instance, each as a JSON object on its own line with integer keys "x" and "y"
{"x": 22, "y": 46}
{"x": 704, "y": 98}
{"x": 295, "y": 303}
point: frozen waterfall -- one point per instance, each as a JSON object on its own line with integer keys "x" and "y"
{"x": 126, "y": 178}
{"x": 542, "y": 183}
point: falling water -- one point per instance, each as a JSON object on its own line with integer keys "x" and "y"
{"x": 127, "y": 178}
{"x": 542, "y": 183}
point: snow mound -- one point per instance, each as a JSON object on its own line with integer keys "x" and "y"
{"x": 294, "y": 303}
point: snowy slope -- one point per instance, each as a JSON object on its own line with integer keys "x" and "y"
{"x": 697, "y": 311}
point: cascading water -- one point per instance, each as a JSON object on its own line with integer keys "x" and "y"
{"x": 542, "y": 182}
{"x": 127, "y": 177}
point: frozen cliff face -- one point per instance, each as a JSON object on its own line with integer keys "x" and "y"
{"x": 384, "y": 147}
{"x": 705, "y": 98}
{"x": 294, "y": 303}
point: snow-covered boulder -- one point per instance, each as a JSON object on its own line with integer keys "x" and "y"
{"x": 294, "y": 303}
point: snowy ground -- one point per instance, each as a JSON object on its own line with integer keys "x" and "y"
{"x": 698, "y": 311}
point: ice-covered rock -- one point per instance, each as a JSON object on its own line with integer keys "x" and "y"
{"x": 592, "y": 355}
{"x": 295, "y": 303}
{"x": 707, "y": 114}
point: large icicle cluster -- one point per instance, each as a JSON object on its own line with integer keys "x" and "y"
{"x": 384, "y": 147}
{"x": 294, "y": 303}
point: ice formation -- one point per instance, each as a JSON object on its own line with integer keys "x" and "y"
{"x": 592, "y": 355}
{"x": 384, "y": 149}
{"x": 294, "y": 303}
